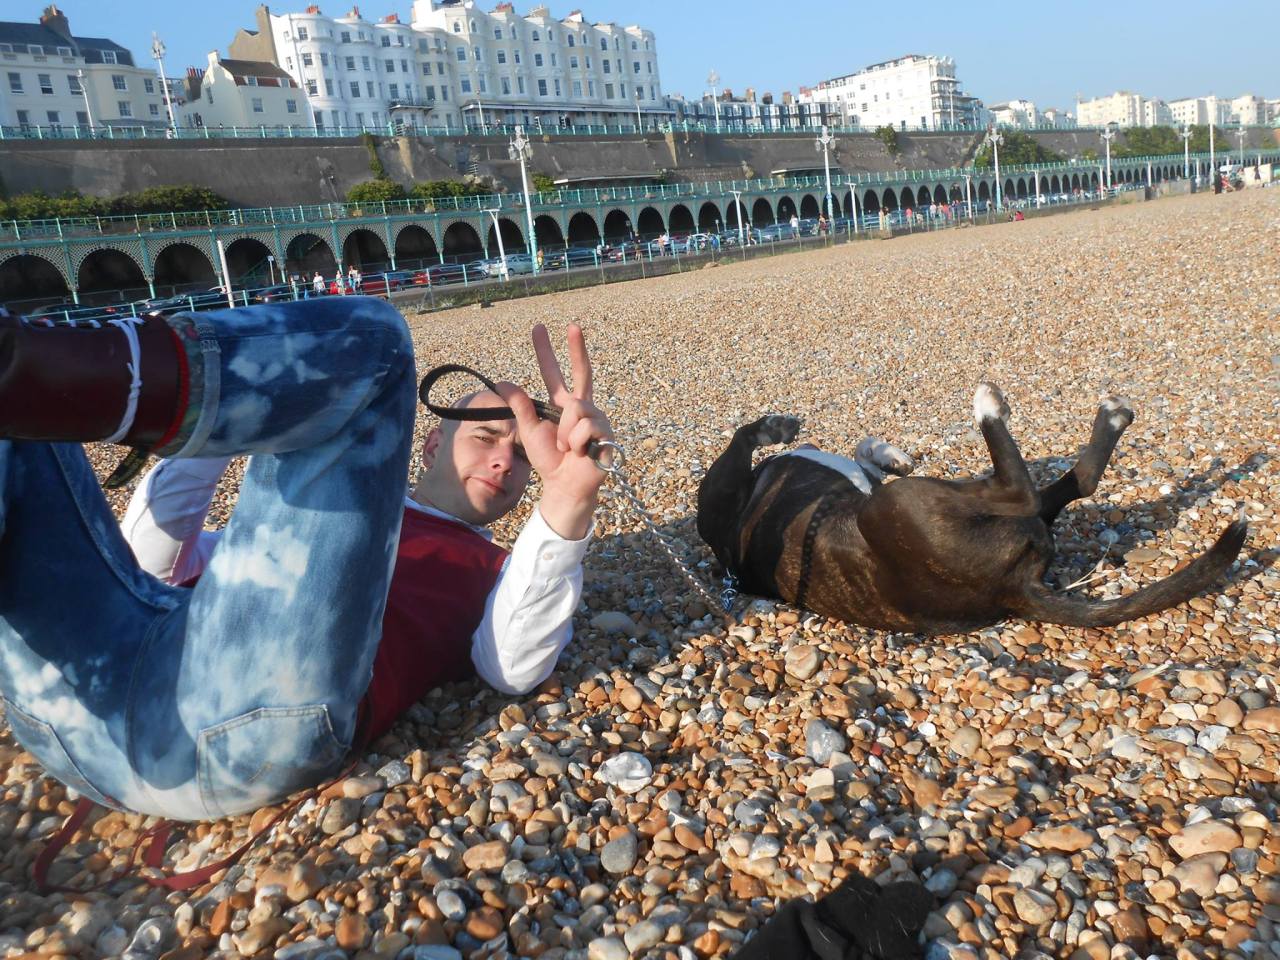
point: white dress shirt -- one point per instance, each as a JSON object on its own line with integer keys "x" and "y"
{"x": 528, "y": 616}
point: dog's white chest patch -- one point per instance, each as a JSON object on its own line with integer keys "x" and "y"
{"x": 841, "y": 465}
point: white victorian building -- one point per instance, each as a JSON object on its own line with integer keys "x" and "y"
{"x": 54, "y": 80}
{"x": 456, "y": 65}
{"x": 910, "y": 93}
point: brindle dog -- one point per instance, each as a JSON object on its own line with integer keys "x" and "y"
{"x": 919, "y": 555}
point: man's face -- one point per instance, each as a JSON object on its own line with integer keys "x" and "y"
{"x": 476, "y": 470}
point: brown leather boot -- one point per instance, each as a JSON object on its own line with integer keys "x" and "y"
{"x": 65, "y": 381}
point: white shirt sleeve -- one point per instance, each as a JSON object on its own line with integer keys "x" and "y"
{"x": 164, "y": 525}
{"x": 528, "y": 617}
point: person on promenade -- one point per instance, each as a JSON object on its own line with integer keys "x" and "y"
{"x": 202, "y": 702}
{"x": 317, "y": 284}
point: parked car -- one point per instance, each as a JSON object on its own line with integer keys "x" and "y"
{"x": 211, "y": 299}
{"x": 808, "y": 227}
{"x": 568, "y": 258}
{"x": 273, "y": 294}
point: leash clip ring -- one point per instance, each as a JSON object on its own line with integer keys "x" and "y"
{"x": 607, "y": 455}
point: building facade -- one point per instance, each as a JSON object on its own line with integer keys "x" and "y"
{"x": 909, "y": 93}
{"x": 243, "y": 93}
{"x": 55, "y": 80}
{"x": 1124, "y": 109}
{"x": 787, "y": 112}
{"x": 1016, "y": 113}
{"x": 455, "y": 65}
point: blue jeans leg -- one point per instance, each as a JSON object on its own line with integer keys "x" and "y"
{"x": 201, "y": 703}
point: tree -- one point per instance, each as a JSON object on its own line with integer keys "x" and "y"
{"x": 374, "y": 191}
{"x": 889, "y": 137}
{"x": 543, "y": 183}
{"x": 1017, "y": 148}
{"x": 440, "y": 189}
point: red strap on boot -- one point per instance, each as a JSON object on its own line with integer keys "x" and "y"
{"x": 157, "y": 840}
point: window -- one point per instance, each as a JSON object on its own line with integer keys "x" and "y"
{"x": 302, "y": 33}
{"x": 516, "y": 54}
{"x": 386, "y": 41}
{"x": 497, "y": 33}
{"x": 588, "y": 60}
{"x": 251, "y": 81}
{"x": 154, "y": 108}
{"x": 483, "y": 87}
{"x": 607, "y": 67}
{"x": 46, "y": 82}
{"x": 404, "y": 66}
{"x": 307, "y": 60}
{"x": 608, "y": 91}
{"x": 571, "y": 40}
{"x": 368, "y": 86}
{"x": 553, "y": 59}
{"x": 355, "y": 89}
{"x": 364, "y": 62}
{"x": 64, "y": 52}
{"x": 577, "y": 88}
{"x": 422, "y": 46}
{"x": 426, "y": 69}
{"x": 148, "y": 85}
{"x": 502, "y": 56}
{"x": 53, "y": 117}
{"x": 506, "y": 86}
{"x": 117, "y": 81}
{"x": 634, "y": 46}
{"x": 346, "y": 36}
{"x": 312, "y": 89}
{"x": 360, "y": 119}
{"x": 617, "y": 43}
{"x": 328, "y": 87}
{"x": 542, "y": 88}
{"x": 461, "y": 54}
{"x": 520, "y": 84}
{"x": 457, "y": 26}
{"x": 208, "y": 94}
{"x": 573, "y": 63}
{"x": 635, "y": 67}
{"x": 591, "y": 88}
{"x": 288, "y": 63}
{"x": 24, "y": 118}
{"x": 399, "y": 40}
{"x": 479, "y": 54}
{"x": 537, "y": 59}
{"x": 82, "y": 118}
{"x": 395, "y": 90}
{"x": 73, "y": 84}
{"x": 622, "y": 90}
{"x": 108, "y": 56}
{"x": 324, "y": 59}
{"x": 291, "y": 106}
{"x": 557, "y": 83}
{"x": 466, "y": 84}
{"x": 619, "y": 64}
{"x": 390, "y": 65}
{"x": 604, "y": 43}
{"x": 536, "y": 36}
{"x": 351, "y": 63}
{"x": 473, "y": 26}
{"x": 125, "y": 108}
{"x": 649, "y": 66}
{"x": 430, "y": 91}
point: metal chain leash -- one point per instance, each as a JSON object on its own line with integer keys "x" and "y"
{"x": 612, "y": 465}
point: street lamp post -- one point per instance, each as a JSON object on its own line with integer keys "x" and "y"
{"x": 1186, "y": 151}
{"x": 968, "y": 195}
{"x": 497, "y": 232}
{"x": 639, "y": 122}
{"x": 995, "y": 138}
{"x": 738, "y": 211}
{"x": 519, "y": 150}
{"x": 1108, "y": 135}
{"x": 713, "y": 79}
{"x": 1213, "y": 159}
{"x": 157, "y": 51}
{"x": 1240, "y": 135}
{"x": 84, "y": 90}
{"x": 823, "y": 143}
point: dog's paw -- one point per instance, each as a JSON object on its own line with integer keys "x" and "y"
{"x": 1117, "y": 410}
{"x": 989, "y": 403}
{"x": 884, "y": 455}
{"x": 776, "y": 428}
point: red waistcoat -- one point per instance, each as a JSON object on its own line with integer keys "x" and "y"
{"x": 443, "y": 575}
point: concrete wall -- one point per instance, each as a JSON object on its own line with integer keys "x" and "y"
{"x": 310, "y": 170}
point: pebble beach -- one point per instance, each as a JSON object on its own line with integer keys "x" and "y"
{"x": 1060, "y": 792}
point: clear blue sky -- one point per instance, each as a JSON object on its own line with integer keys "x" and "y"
{"x": 1046, "y": 51}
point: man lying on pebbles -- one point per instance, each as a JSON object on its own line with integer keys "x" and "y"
{"x": 329, "y": 604}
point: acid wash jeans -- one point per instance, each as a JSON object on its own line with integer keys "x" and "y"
{"x": 200, "y": 703}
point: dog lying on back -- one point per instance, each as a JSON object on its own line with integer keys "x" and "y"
{"x": 919, "y": 555}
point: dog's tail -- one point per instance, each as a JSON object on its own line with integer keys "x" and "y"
{"x": 1041, "y": 603}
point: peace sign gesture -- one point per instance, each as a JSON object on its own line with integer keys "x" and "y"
{"x": 558, "y": 452}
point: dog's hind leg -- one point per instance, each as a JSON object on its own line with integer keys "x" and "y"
{"x": 1012, "y": 479}
{"x": 1114, "y": 415}
{"x": 726, "y": 489}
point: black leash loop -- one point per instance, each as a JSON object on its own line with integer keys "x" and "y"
{"x": 606, "y": 454}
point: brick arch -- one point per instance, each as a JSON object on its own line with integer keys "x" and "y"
{"x": 81, "y": 253}
{"x": 60, "y": 265}
{"x": 401, "y": 228}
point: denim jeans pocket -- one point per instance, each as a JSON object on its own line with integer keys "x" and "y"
{"x": 261, "y": 756}
{"x": 42, "y": 741}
